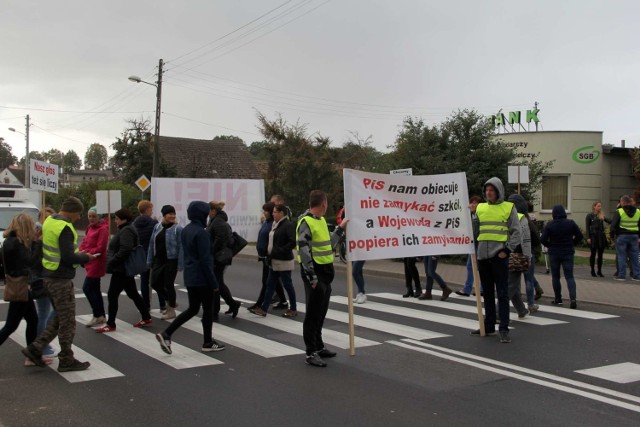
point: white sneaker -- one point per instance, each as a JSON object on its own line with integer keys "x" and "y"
{"x": 357, "y": 297}
{"x": 95, "y": 321}
{"x": 361, "y": 298}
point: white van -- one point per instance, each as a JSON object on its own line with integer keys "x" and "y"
{"x": 14, "y": 200}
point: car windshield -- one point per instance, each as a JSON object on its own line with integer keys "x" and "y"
{"x": 7, "y": 214}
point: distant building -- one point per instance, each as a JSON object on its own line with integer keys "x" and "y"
{"x": 11, "y": 176}
{"x": 203, "y": 158}
{"x": 83, "y": 176}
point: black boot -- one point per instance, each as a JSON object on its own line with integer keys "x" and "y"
{"x": 593, "y": 272}
{"x": 600, "y": 273}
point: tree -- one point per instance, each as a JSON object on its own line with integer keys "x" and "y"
{"x": 134, "y": 155}
{"x": 96, "y": 157}
{"x": 464, "y": 142}
{"x": 227, "y": 138}
{"x": 299, "y": 163}
{"x": 358, "y": 153}
{"x": 71, "y": 162}
{"x": 54, "y": 156}
{"x": 35, "y": 155}
{"x": 6, "y": 156}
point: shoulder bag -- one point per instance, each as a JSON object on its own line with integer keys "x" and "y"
{"x": 137, "y": 262}
{"x": 16, "y": 289}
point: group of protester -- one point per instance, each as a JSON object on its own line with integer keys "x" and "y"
{"x": 47, "y": 256}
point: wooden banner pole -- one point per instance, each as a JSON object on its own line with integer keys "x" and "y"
{"x": 477, "y": 287}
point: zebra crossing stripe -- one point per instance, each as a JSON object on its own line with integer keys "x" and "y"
{"x": 97, "y": 371}
{"x": 534, "y": 320}
{"x": 458, "y": 322}
{"x": 237, "y": 338}
{"x": 146, "y": 343}
{"x": 331, "y": 337}
{"x": 381, "y": 325}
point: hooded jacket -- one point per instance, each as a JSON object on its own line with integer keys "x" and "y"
{"x": 144, "y": 225}
{"x": 489, "y": 249}
{"x": 560, "y": 235}
{"x": 172, "y": 241}
{"x": 95, "y": 241}
{"x": 198, "y": 262}
{"x": 522, "y": 208}
{"x": 615, "y": 222}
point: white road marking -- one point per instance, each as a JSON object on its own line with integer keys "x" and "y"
{"x": 621, "y": 373}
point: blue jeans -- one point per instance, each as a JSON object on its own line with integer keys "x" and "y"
{"x": 566, "y": 261}
{"x": 45, "y": 314}
{"x": 356, "y": 272}
{"x": 430, "y": 265}
{"x": 530, "y": 281}
{"x": 627, "y": 246}
{"x": 287, "y": 283}
{"x": 468, "y": 284}
{"x": 494, "y": 275}
{"x": 91, "y": 288}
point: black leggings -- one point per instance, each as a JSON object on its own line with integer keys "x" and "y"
{"x": 592, "y": 258}
{"x": 224, "y": 292}
{"x": 198, "y": 296}
{"x": 120, "y": 282}
{"x": 411, "y": 274}
{"x": 17, "y": 312}
{"x": 163, "y": 277}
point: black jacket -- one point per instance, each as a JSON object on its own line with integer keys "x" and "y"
{"x": 120, "y": 247}
{"x": 219, "y": 233}
{"x": 198, "y": 262}
{"x": 284, "y": 241}
{"x": 144, "y": 226}
{"x": 561, "y": 235}
{"x": 595, "y": 230}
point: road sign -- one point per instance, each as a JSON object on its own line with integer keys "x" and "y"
{"x": 143, "y": 183}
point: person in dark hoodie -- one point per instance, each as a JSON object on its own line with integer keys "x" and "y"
{"x": 560, "y": 236}
{"x": 625, "y": 231}
{"x": 499, "y": 235}
{"x": 199, "y": 279}
{"x": 144, "y": 226}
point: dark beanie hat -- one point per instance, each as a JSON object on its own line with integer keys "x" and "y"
{"x": 167, "y": 209}
{"x": 72, "y": 204}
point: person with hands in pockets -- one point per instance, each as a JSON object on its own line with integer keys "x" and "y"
{"x": 315, "y": 254}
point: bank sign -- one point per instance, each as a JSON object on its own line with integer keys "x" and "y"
{"x": 515, "y": 117}
{"x": 588, "y": 154}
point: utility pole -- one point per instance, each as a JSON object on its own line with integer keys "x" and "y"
{"x": 27, "y": 163}
{"x": 156, "y": 138}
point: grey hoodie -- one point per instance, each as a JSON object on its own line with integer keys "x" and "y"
{"x": 522, "y": 208}
{"x": 489, "y": 249}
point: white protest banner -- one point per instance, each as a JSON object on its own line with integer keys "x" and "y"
{"x": 43, "y": 176}
{"x": 243, "y": 199}
{"x": 397, "y": 216}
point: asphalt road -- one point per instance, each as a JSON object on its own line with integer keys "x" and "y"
{"x": 439, "y": 376}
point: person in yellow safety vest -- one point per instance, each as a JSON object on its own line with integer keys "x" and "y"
{"x": 60, "y": 258}
{"x": 625, "y": 231}
{"x": 499, "y": 235}
{"x": 315, "y": 254}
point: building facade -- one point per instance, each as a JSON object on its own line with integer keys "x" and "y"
{"x": 584, "y": 170}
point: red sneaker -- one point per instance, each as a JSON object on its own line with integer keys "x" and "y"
{"x": 143, "y": 323}
{"x": 105, "y": 328}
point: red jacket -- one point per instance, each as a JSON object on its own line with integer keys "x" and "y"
{"x": 95, "y": 242}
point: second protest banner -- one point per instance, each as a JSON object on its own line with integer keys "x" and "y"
{"x": 396, "y": 216}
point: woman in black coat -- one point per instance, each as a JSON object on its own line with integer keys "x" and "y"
{"x": 120, "y": 248}
{"x": 596, "y": 236}
{"x": 220, "y": 234}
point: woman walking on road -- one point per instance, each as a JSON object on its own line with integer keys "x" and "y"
{"x": 120, "y": 248}
{"x": 596, "y": 236}
{"x": 95, "y": 243}
{"x": 411, "y": 276}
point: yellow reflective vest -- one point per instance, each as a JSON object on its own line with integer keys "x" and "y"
{"x": 321, "y": 250}
{"x": 627, "y": 222}
{"x": 51, "y": 230}
{"x": 493, "y": 221}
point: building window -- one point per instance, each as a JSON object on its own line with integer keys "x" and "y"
{"x": 555, "y": 191}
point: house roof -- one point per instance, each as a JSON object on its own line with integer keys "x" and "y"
{"x": 203, "y": 158}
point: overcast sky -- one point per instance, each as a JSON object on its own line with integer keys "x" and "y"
{"x": 338, "y": 66}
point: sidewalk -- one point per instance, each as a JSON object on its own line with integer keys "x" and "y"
{"x": 599, "y": 290}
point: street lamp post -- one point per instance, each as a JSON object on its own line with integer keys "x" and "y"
{"x": 27, "y": 165}
{"x": 156, "y": 138}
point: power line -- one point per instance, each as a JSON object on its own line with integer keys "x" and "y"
{"x": 262, "y": 35}
{"x": 71, "y": 111}
{"x": 210, "y": 124}
{"x": 231, "y": 32}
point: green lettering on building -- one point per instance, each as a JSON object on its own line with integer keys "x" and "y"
{"x": 498, "y": 119}
{"x": 533, "y": 115}
{"x": 514, "y": 117}
{"x": 586, "y": 155}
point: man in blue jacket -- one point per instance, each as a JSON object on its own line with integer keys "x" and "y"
{"x": 198, "y": 278}
{"x": 560, "y": 236}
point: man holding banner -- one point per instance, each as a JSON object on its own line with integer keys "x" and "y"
{"x": 500, "y": 234}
